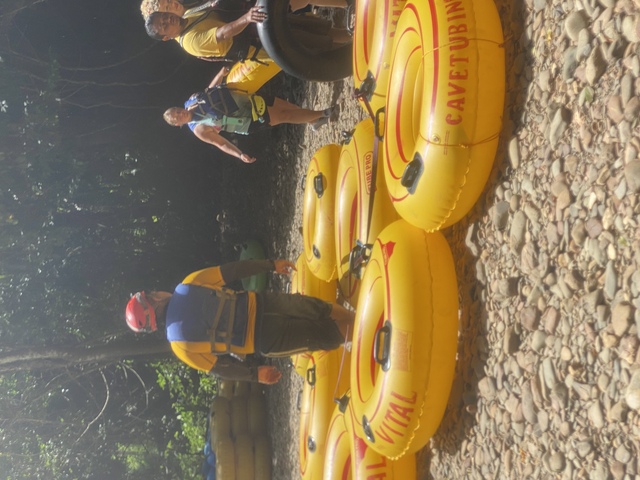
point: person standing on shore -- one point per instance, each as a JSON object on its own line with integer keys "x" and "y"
{"x": 209, "y": 326}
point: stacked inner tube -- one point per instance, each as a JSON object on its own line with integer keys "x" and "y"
{"x": 238, "y": 432}
{"x": 326, "y": 378}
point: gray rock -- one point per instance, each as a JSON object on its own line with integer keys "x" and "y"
{"x": 539, "y": 5}
{"x": 514, "y": 152}
{"x": 538, "y": 341}
{"x": 626, "y": 88}
{"x": 632, "y": 175}
{"x": 632, "y": 394}
{"x": 584, "y": 448}
{"x": 610, "y": 280}
{"x": 560, "y": 394}
{"x": 630, "y": 29}
{"x": 557, "y": 462}
{"x": 517, "y": 231}
{"x": 617, "y": 469}
{"x": 569, "y": 64}
{"x": 600, "y": 472}
{"x": 500, "y": 215}
{"x": 530, "y": 318}
{"x": 550, "y": 320}
{"x": 578, "y": 232}
{"x": 623, "y": 455}
{"x": 615, "y": 111}
{"x": 583, "y": 49}
{"x": 528, "y": 407}
{"x": 596, "y": 66}
{"x": 511, "y": 341}
{"x": 632, "y": 109}
{"x": 559, "y": 122}
{"x": 574, "y": 23}
{"x": 487, "y": 387}
{"x": 621, "y": 318}
{"x": 549, "y": 373}
{"x": 595, "y": 415}
{"x": 593, "y": 227}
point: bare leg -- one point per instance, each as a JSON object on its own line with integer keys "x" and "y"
{"x": 284, "y": 112}
{"x": 344, "y": 319}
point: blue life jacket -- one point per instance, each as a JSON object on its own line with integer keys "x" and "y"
{"x": 201, "y": 314}
{"x": 215, "y": 103}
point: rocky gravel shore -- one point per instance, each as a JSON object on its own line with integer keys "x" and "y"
{"x": 548, "y": 377}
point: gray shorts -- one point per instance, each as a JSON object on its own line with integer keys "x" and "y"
{"x": 295, "y": 323}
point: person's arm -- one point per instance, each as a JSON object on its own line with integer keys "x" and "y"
{"x": 233, "y": 271}
{"x": 231, "y": 369}
{"x": 217, "y": 80}
{"x": 209, "y": 135}
{"x": 231, "y": 29}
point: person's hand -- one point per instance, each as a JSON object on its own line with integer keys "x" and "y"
{"x": 247, "y": 158}
{"x": 284, "y": 267}
{"x": 255, "y": 15}
{"x": 225, "y": 71}
{"x": 268, "y": 374}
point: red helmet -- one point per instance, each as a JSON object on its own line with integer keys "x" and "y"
{"x": 141, "y": 317}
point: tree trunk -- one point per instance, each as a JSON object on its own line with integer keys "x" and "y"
{"x": 35, "y": 358}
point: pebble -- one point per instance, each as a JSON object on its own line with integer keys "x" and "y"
{"x": 514, "y": 152}
{"x": 632, "y": 394}
{"x": 610, "y": 280}
{"x": 621, "y": 318}
{"x": 559, "y": 122}
{"x": 632, "y": 176}
{"x": 551, "y": 365}
{"x": 517, "y": 231}
{"x": 487, "y": 388}
{"x": 538, "y": 341}
{"x": 595, "y": 415}
{"x": 596, "y": 66}
{"x": 575, "y": 23}
{"x": 530, "y": 318}
{"x": 500, "y": 215}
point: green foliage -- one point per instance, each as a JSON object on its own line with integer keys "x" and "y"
{"x": 191, "y": 393}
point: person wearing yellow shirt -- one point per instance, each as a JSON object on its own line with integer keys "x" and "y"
{"x": 210, "y": 326}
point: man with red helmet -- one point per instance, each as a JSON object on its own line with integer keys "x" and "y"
{"x": 208, "y": 324}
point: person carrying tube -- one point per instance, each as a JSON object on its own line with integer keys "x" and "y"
{"x": 223, "y": 36}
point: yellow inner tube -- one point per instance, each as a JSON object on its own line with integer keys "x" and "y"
{"x": 405, "y": 339}
{"x": 372, "y": 45}
{"x": 337, "y": 461}
{"x": 324, "y": 381}
{"x": 444, "y": 108}
{"x": 249, "y": 76}
{"x": 353, "y": 193}
{"x": 318, "y": 213}
{"x": 367, "y": 463}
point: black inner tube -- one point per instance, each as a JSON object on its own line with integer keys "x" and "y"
{"x": 294, "y": 58}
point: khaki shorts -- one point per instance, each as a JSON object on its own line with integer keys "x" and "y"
{"x": 295, "y": 323}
